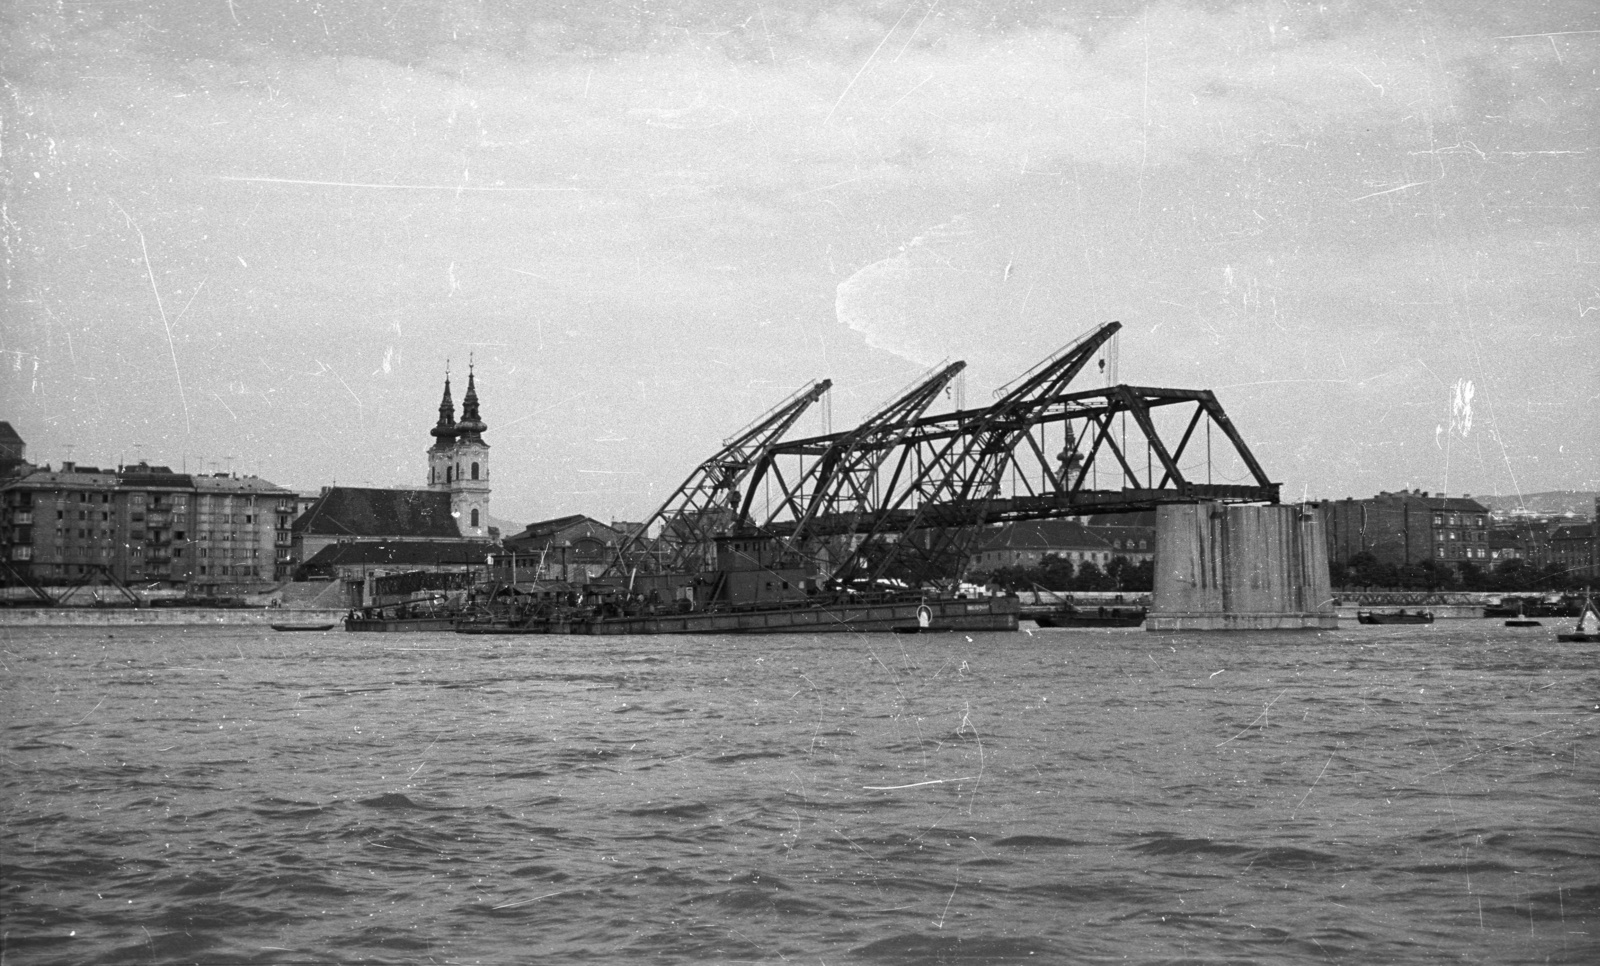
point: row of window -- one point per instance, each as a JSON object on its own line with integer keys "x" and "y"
{"x": 1000, "y": 556}
{"x": 453, "y": 473}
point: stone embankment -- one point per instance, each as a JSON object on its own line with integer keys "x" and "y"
{"x": 162, "y": 616}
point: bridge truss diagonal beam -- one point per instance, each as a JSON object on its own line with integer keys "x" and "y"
{"x": 840, "y": 477}
{"x": 707, "y": 501}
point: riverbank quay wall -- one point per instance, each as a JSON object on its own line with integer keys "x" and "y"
{"x": 1240, "y": 567}
{"x": 17, "y": 617}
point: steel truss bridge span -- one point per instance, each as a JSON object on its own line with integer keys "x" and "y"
{"x": 921, "y": 487}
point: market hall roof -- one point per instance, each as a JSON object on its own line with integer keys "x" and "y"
{"x": 566, "y": 529}
{"x": 351, "y": 511}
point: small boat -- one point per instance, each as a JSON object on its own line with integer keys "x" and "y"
{"x": 303, "y": 627}
{"x": 1521, "y": 619}
{"x": 1401, "y": 616}
{"x": 1585, "y": 632}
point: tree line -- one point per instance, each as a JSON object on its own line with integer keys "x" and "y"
{"x": 1363, "y": 571}
{"x": 1055, "y": 572}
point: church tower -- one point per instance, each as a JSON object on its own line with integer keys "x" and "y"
{"x": 468, "y": 477}
{"x": 441, "y": 455}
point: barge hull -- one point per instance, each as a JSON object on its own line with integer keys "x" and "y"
{"x": 991, "y": 614}
{"x": 398, "y": 624}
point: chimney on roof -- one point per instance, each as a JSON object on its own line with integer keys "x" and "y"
{"x": 67, "y": 465}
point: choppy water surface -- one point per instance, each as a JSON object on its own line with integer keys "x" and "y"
{"x": 1395, "y": 795}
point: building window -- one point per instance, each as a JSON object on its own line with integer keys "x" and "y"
{"x": 474, "y": 476}
{"x": 474, "y": 514}
{"x": 447, "y": 474}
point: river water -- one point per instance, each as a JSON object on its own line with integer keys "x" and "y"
{"x": 1373, "y": 794}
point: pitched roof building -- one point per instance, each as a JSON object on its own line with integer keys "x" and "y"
{"x": 1026, "y": 544}
{"x": 573, "y": 548}
{"x": 349, "y": 560}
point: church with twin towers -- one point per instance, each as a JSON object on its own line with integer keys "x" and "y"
{"x": 351, "y": 530}
{"x": 458, "y": 460}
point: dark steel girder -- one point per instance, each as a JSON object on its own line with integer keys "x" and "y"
{"x": 941, "y": 476}
{"x": 924, "y": 486}
{"x": 1042, "y": 506}
{"x": 844, "y": 469}
{"x": 706, "y": 503}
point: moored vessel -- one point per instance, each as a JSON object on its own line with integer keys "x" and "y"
{"x": 1072, "y": 615}
{"x": 1401, "y": 616}
{"x": 899, "y": 613}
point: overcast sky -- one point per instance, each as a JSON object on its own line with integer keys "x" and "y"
{"x": 257, "y": 229}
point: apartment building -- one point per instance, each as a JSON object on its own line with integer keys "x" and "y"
{"x": 144, "y": 525}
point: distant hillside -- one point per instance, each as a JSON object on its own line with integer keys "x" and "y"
{"x": 1577, "y": 502}
{"x": 506, "y": 527}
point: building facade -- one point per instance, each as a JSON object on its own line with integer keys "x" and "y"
{"x": 1575, "y": 547}
{"x": 1407, "y": 528}
{"x": 573, "y": 549}
{"x": 1027, "y": 544}
{"x": 13, "y": 451}
{"x": 144, "y": 525}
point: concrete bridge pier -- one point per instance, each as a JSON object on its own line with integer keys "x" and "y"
{"x": 1222, "y": 567}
